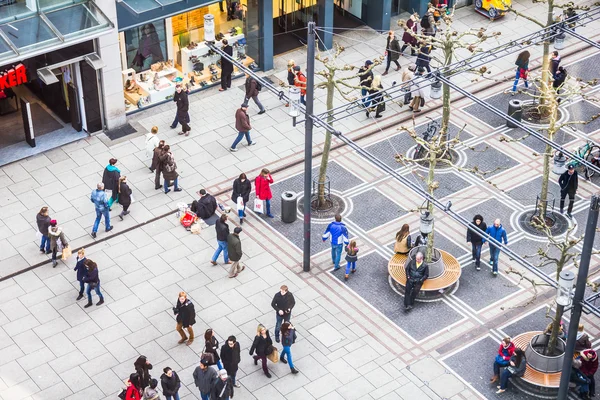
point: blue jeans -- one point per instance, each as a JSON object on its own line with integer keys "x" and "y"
{"x": 232, "y": 376}
{"x": 349, "y": 266}
{"x": 268, "y": 206}
{"x": 517, "y": 77}
{"x": 174, "y": 184}
{"x": 89, "y": 292}
{"x": 99, "y": 213}
{"x": 242, "y": 212}
{"x": 366, "y": 100}
{"x": 222, "y": 247}
{"x": 279, "y": 321}
{"x": 287, "y": 351}
{"x": 494, "y": 255}
{"x": 303, "y": 99}
{"x": 504, "y": 378}
{"x": 498, "y": 365}
{"x": 204, "y": 396}
{"x": 45, "y": 243}
{"x": 239, "y": 138}
{"x": 336, "y": 254}
{"x": 176, "y": 397}
{"x": 81, "y": 287}
{"x": 476, "y": 252}
{"x": 219, "y": 365}
{"x": 176, "y": 120}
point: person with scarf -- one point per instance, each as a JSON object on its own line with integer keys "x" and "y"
{"x": 110, "y": 178}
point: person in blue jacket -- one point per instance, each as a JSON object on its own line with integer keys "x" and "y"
{"x": 497, "y": 232}
{"x": 81, "y": 271}
{"x": 338, "y": 233}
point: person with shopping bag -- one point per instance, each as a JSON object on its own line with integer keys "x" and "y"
{"x": 262, "y": 184}
{"x": 110, "y": 179}
{"x": 262, "y": 345}
{"x": 241, "y": 195}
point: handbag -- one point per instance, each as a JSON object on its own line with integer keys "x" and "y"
{"x": 123, "y": 394}
{"x": 209, "y": 357}
{"x": 240, "y": 203}
{"x": 259, "y": 206}
{"x": 66, "y": 253}
{"x": 273, "y": 355}
{"x": 500, "y": 359}
{"x": 522, "y": 73}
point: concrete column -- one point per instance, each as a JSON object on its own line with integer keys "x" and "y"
{"x": 265, "y": 23}
{"x": 379, "y": 14}
{"x": 325, "y": 21}
{"x": 419, "y": 6}
{"x": 108, "y": 49}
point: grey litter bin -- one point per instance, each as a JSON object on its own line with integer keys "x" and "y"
{"x": 515, "y": 110}
{"x": 289, "y": 207}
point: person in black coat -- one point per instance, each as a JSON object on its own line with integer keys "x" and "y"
{"x": 417, "y": 271}
{"x": 392, "y": 52}
{"x": 124, "y": 196}
{"x": 110, "y": 178}
{"x": 142, "y": 368}
{"x": 376, "y": 97}
{"x": 81, "y": 270}
{"x": 93, "y": 280}
{"x": 222, "y": 230}
{"x": 183, "y": 106}
{"x": 156, "y": 164}
{"x": 559, "y": 79}
{"x": 186, "y": 317}
{"x": 568, "y": 182}
{"x": 170, "y": 383}
{"x": 211, "y": 345}
{"x": 223, "y": 388}
{"x": 262, "y": 345}
{"x": 476, "y": 239}
{"x": 424, "y": 57}
{"x": 365, "y": 76}
{"x": 226, "y": 67}
{"x": 206, "y": 206}
{"x": 230, "y": 357}
{"x": 241, "y": 188}
{"x": 282, "y": 303}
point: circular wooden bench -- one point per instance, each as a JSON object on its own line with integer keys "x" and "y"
{"x": 532, "y": 375}
{"x": 431, "y": 287}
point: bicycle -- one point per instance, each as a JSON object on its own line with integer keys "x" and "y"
{"x": 590, "y": 152}
{"x": 430, "y": 131}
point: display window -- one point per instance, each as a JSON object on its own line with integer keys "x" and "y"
{"x": 159, "y": 55}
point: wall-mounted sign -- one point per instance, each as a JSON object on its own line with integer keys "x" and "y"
{"x": 13, "y": 77}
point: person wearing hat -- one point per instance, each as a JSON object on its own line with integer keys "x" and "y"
{"x": 568, "y": 182}
{"x": 204, "y": 379}
{"x": 300, "y": 82}
{"x": 365, "y": 75}
{"x": 242, "y": 124}
{"x": 234, "y": 249}
{"x": 226, "y": 66}
{"x": 223, "y": 389}
{"x": 55, "y": 234}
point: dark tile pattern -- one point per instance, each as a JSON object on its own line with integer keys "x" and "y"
{"x": 536, "y": 145}
{"x": 500, "y": 101}
{"x": 583, "y": 111}
{"x": 535, "y": 321}
{"x": 371, "y": 283}
{"x": 386, "y": 150}
{"x": 490, "y": 210}
{"x": 586, "y": 69}
{"x": 450, "y": 182}
{"x": 529, "y": 247}
{"x": 487, "y": 159}
{"x": 372, "y": 209}
{"x": 527, "y": 193}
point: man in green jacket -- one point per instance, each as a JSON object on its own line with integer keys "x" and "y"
{"x": 234, "y": 248}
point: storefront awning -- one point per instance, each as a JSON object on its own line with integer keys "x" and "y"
{"x": 47, "y": 31}
{"x": 132, "y": 13}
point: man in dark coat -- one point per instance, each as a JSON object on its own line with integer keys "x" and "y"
{"x": 282, "y": 303}
{"x": 252, "y": 90}
{"x": 226, "y": 67}
{"x": 206, "y": 206}
{"x": 365, "y": 75}
{"x": 392, "y": 52}
{"x": 417, "y": 271}
{"x": 124, "y": 196}
{"x": 234, "y": 248}
{"x": 170, "y": 383}
{"x": 554, "y": 63}
{"x": 183, "y": 106}
{"x": 156, "y": 164}
{"x": 222, "y": 230}
{"x": 230, "y": 357}
{"x": 568, "y": 182}
{"x": 242, "y": 124}
{"x": 223, "y": 388}
{"x": 204, "y": 379}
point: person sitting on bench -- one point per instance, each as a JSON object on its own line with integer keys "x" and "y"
{"x": 206, "y": 206}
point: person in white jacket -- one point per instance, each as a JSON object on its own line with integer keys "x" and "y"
{"x": 421, "y": 93}
{"x": 152, "y": 141}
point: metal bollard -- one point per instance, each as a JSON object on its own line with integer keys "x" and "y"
{"x": 515, "y": 110}
{"x": 289, "y": 207}
{"x": 559, "y": 41}
{"x": 436, "y": 90}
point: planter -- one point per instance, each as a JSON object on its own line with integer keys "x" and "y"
{"x": 543, "y": 363}
{"x": 436, "y": 266}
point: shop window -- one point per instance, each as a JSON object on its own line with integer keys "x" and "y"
{"x": 145, "y": 45}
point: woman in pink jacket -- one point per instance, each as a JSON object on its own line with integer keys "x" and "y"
{"x": 262, "y": 183}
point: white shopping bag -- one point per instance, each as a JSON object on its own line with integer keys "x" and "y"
{"x": 132, "y": 199}
{"x": 240, "y": 203}
{"x": 259, "y": 206}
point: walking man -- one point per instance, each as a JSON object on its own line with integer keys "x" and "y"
{"x": 100, "y": 200}
{"x": 222, "y": 233}
{"x": 568, "y": 182}
{"x": 554, "y": 63}
{"x": 476, "y": 239}
{"x": 234, "y": 248}
{"x": 223, "y": 388}
{"x": 282, "y": 303}
{"x": 204, "y": 379}
{"x": 156, "y": 164}
{"x": 226, "y": 66}
{"x": 300, "y": 82}
{"x": 417, "y": 271}
{"x": 338, "y": 233}
{"x": 176, "y": 99}
{"x": 392, "y": 52}
{"x": 242, "y": 124}
{"x": 497, "y": 232}
{"x": 183, "y": 106}
{"x": 365, "y": 75}
{"x": 252, "y": 89}
{"x": 230, "y": 356}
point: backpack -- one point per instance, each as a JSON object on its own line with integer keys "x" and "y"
{"x": 425, "y": 22}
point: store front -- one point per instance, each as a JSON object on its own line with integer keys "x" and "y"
{"x": 157, "y": 55}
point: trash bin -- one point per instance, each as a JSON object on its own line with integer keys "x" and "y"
{"x": 515, "y": 110}
{"x": 559, "y": 41}
{"x": 436, "y": 90}
{"x": 289, "y": 207}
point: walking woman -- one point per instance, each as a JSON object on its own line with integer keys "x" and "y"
{"x": 288, "y": 338}
{"x": 476, "y": 239}
{"x": 124, "y": 196}
{"x": 81, "y": 270}
{"x": 186, "y": 317}
{"x": 403, "y": 240}
{"x": 392, "y": 52}
{"x": 262, "y": 184}
{"x": 169, "y": 169}
{"x": 516, "y": 367}
{"x": 211, "y": 345}
{"x": 152, "y": 142}
{"x": 408, "y": 37}
{"x": 110, "y": 178}
{"x": 43, "y": 223}
{"x": 93, "y": 281}
{"x": 376, "y": 97}
{"x": 262, "y": 345}
{"x": 56, "y": 234}
{"x": 351, "y": 258}
{"x": 522, "y": 64}
{"x": 134, "y": 388}
{"x": 241, "y": 188}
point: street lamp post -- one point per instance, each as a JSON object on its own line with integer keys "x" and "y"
{"x": 310, "y": 82}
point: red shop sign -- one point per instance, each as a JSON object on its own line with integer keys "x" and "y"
{"x": 13, "y": 77}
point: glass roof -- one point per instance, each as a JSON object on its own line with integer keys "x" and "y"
{"x": 140, "y": 6}
{"x": 73, "y": 23}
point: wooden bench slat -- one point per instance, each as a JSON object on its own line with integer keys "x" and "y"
{"x": 451, "y": 273}
{"x": 531, "y": 375}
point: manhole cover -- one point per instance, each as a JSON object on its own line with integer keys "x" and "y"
{"x": 558, "y": 223}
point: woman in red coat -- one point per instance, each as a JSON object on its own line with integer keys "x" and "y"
{"x": 133, "y": 388}
{"x": 262, "y": 184}
{"x": 589, "y": 366}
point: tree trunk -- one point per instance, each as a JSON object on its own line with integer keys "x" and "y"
{"x": 559, "y": 309}
{"x": 430, "y": 208}
{"x": 448, "y": 50}
{"x": 326, "y": 146}
{"x": 552, "y": 107}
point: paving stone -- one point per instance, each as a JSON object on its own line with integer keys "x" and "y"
{"x": 446, "y": 386}
{"x": 327, "y": 334}
{"x": 372, "y": 209}
{"x": 323, "y": 386}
